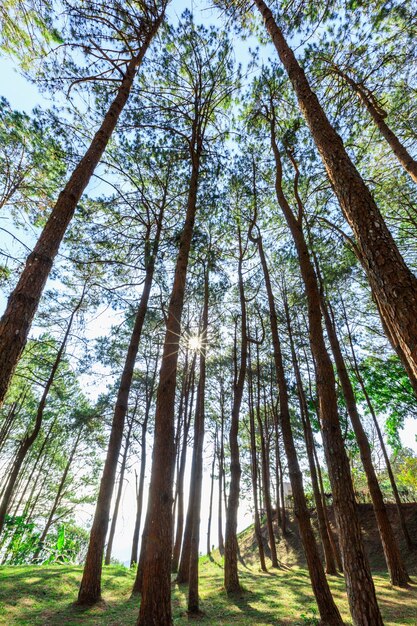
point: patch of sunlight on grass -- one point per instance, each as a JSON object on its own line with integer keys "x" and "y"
{"x": 44, "y": 596}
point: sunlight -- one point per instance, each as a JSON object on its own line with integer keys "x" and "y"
{"x": 195, "y": 343}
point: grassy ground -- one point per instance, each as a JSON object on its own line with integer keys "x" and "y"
{"x": 34, "y": 596}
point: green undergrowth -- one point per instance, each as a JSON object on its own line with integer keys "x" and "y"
{"x": 36, "y": 595}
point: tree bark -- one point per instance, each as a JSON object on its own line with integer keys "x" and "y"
{"x": 328, "y": 610}
{"x": 254, "y": 467}
{"x": 197, "y": 474}
{"x": 309, "y": 440}
{"x": 221, "y": 473}
{"x": 155, "y": 607}
{"x": 392, "y": 281}
{"x": 280, "y": 476}
{"x": 188, "y": 403}
{"x": 398, "y": 573}
{"x": 210, "y": 516}
{"x": 90, "y": 588}
{"x": 140, "y": 488}
{"x": 360, "y": 587}
{"x": 265, "y": 470}
{"x": 231, "y": 575}
{"x": 333, "y": 541}
{"x": 396, "y": 346}
{"x": 185, "y": 539}
{"x": 24, "y": 300}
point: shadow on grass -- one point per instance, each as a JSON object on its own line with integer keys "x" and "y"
{"x": 44, "y": 596}
{"x": 244, "y": 602}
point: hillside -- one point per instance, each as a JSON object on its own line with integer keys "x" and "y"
{"x": 290, "y": 549}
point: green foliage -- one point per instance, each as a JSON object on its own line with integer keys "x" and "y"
{"x": 32, "y": 163}
{"x": 390, "y": 392}
{"x": 21, "y": 538}
{"x": 68, "y": 544}
{"x": 26, "y": 29}
{"x": 405, "y": 467}
{"x": 20, "y": 543}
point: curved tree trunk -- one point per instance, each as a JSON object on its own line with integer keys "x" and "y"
{"x": 391, "y": 280}
{"x": 360, "y": 587}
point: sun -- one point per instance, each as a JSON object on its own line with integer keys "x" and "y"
{"x": 195, "y": 343}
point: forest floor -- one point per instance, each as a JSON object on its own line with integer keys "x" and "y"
{"x": 36, "y": 595}
{"x": 44, "y": 595}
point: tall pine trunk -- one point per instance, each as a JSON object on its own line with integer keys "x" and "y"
{"x": 188, "y": 408}
{"x": 112, "y": 532}
{"x": 393, "y": 283}
{"x": 328, "y": 610}
{"x": 265, "y": 469}
{"x": 90, "y": 588}
{"x": 360, "y": 587}
{"x": 221, "y": 473}
{"x": 210, "y": 515}
{"x": 197, "y": 474}
{"x": 140, "y": 486}
{"x": 309, "y": 440}
{"x": 155, "y": 606}
{"x": 231, "y": 575}
{"x": 254, "y": 466}
{"x": 24, "y": 300}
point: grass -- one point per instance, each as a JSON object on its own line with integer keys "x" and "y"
{"x": 36, "y": 595}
